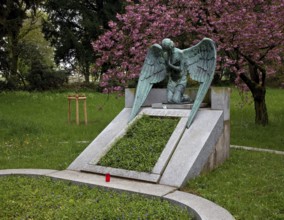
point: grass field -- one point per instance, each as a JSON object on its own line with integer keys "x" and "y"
{"x": 34, "y": 133}
{"x": 34, "y": 129}
{"x": 44, "y": 198}
{"x": 249, "y": 185}
{"x": 243, "y": 129}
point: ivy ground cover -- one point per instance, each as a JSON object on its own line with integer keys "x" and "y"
{"x": 140, "y": 148}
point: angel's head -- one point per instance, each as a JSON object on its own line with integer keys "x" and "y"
{"x": 168, "y": 44}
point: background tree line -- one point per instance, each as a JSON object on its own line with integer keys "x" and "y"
{"x": 37, "y": 37}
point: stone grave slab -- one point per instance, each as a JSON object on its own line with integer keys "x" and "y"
{"x": 89, "y": 158}
{"x": 187, "y": 153}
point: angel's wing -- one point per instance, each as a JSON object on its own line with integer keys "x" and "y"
{"x": 200, "y": 62}
{"x": 153, "y": 71}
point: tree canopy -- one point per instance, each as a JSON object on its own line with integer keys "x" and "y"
{"x": 72, "y": 25}
{"x": 33, "y": 45}
{"x": 12, "y": 15}
{"x": 249, "y": 35}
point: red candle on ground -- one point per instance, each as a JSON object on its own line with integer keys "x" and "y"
{"x": 107, "y": 177}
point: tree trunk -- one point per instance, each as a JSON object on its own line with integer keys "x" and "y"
{"x": 13, "y": 60}
{"x": 261, "y": 115}
{"x": 87, "y": 80}
{"x": 86, "y": 70}
{"x": 258, "y": 90}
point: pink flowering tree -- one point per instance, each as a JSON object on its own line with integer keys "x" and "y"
{"x": 124, "y": 46}
{"x": 249, "y": 35}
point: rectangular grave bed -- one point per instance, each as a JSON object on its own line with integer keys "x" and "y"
{"x": 141, "y": 146}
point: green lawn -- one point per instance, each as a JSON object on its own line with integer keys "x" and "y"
{"x": 44, "y": 198}
{"x": 243, "y": 129}
{"x": 249, "y": 185}
{"x": 34, "y": 129}
{"x": 34, "y": 133}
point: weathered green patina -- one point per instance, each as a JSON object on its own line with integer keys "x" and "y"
{"x": 166, "y": 60}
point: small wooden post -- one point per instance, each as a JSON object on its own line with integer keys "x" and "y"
{"x": 77, "y": 98}
{"x": 69, "y": 110}
{"x": 85, "y": 110}
{"x": 77, "y": 110}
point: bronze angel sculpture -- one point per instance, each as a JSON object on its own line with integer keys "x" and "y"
{"x": 166, "y": 60}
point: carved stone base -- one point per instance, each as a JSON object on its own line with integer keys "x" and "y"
{"x": 177, "y": 106}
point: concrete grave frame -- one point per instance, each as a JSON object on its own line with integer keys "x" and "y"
{"x": 202, "y": 147}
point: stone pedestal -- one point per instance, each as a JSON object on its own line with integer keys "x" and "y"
{"x": 220, "y": 100}
{"x": 189, "y": 152}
